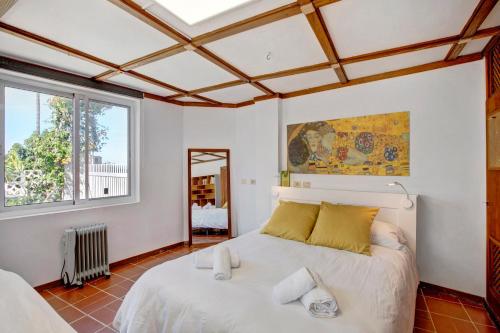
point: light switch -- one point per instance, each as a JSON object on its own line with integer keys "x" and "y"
{"x": 244, "y": 181}
{"x": 253, "y": 181}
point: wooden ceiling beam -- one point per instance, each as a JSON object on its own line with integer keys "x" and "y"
{"x": 253, "y": 22}
{"x": 418, "y": 46}
{"x": 164, "y": 85}
{"x": 31, "y": 37}
{"x": 187, "y": 44}
{"x": 484, "y": 33}
{"x": 113, "y": 68}
{"x": 138, "y": 12}
{"x": 271, "y": 16}
{"x": 319, "y": 28}
{"x": 293, "y": 71}
{"x": 387, "y": 75}
{"x": 482, "y": 10}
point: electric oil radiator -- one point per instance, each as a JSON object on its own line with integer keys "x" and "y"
{"x": 85, "y": 254}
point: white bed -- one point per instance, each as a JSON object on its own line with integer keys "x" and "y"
{"x": 209, "y": 218}
{"x": 375, "y": 293}
{"x": 22, "y": 309}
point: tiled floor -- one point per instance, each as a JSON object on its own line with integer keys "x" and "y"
{"x": 442, "y": 312}
{"x": 92, "y": 309}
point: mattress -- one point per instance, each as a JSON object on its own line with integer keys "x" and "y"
{"x": 375, "y": 293}
{"x": 209, "y": 218}
{"x": 22, "y": 309}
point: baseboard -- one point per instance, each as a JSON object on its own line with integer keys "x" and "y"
{"x": 471, "y": 297}
{"x": 122, "y": 262}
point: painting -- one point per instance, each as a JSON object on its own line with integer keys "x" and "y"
{"x": 375, "y": 145}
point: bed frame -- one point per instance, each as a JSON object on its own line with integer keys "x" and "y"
{"x": 391, "y": 205}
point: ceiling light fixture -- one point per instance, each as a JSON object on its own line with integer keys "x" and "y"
{"x": 195, "y": 11}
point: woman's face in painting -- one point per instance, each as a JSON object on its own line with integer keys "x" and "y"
{"x": 313, "y": 139}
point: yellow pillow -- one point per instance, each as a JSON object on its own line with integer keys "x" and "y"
{"x": 344, "y": 227}
{"x": 292, "y": 220}
{"x": 224, "y": 205}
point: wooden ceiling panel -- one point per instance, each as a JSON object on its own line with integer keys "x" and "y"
{"x": 187, "y": 70}
{"x": 21, "y": 49}
{"x": 475, "y": 46}
{"x": 235, "y": 94}
{"x": 93, "y": 26}
{"x": 131, "y": 82}
{"x": 288, "y": 43}
{"x": 360, "y": 26}
{"x": 493, "y": 19}
{"x": 387, "y": 64}
{"x": 301, "y": 81}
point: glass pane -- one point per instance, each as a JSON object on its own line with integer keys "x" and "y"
{"x": 38, "y": 146}
{"x": 108, "y": 149}
{"x": 83, "y": 174}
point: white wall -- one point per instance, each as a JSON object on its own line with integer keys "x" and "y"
{"x": 208, "y": 168}
{"x": 447, "y": 162}
{"x": 31, "y": 246}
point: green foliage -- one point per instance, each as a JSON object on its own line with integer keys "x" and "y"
{"x": 41, "y": 162}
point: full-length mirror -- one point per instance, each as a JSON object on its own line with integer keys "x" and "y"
{"x": 209, "y": 196}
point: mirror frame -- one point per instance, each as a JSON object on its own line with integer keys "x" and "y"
{"x": 228, "y": 164}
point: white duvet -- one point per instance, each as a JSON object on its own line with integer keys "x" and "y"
{"x": 374, "y": 294}
{"x": 209, "y": 218}
{"x": 23, "y": 310}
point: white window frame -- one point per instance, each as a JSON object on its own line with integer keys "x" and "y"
{"x": 77, "y": 94}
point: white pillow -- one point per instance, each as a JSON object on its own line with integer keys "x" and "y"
{"x": 208, "y": 206}
{"x": 195, "y": 206}
{"x": 387, "y": 235}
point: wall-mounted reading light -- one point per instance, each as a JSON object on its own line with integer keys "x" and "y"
{"x": 407, "y": 203}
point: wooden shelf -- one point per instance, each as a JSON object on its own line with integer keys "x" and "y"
{"x": 203, "y": 190}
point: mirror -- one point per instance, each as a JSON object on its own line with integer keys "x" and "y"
{"x": 209, "y": 196}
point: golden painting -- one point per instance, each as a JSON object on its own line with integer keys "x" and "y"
{"x": 377, "y": 145}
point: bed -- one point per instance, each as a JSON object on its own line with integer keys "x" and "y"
{"x": 375, "y": 293}
{"x": 22, "y": 309}
{"x": 213, "y": 218}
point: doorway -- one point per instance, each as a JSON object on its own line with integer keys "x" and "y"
{"x": 209, "y": 196}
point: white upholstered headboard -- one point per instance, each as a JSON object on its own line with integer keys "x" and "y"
{"x": 390, "y": 204}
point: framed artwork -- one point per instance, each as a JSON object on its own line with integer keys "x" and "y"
{"x": 375, "y": 145}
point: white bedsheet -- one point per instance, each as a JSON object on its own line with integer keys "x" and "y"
{"x": 209, "y": 218}
{"x": 23, "y": 310}
{"x": 374, "y": 294}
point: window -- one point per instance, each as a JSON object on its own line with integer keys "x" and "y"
{"x": 63, "y": 147}
{"x": 195, "y": 11}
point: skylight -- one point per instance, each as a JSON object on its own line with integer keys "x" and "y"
{"x": 195, "y": 11}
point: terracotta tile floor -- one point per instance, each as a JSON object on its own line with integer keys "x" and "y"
{"x": 92, "y": 309}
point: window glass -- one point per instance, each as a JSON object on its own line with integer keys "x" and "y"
{"x": 108, "y": 150}
{"x": 38, "y": 148}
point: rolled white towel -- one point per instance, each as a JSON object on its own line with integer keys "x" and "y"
{"x": 294, "y": 286}
{"x": 319, "y": 301}
{"x": 222, "y": 263}
{"x": 205, "y": 259}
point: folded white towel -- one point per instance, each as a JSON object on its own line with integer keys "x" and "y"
{"x": 294, "y": 286}
{"x": 319, "y": 301}
{"x": 222, "y": 263}
{"x": 205, "y": 259}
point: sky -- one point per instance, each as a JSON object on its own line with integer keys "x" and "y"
{"x": 20, "y": 123}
